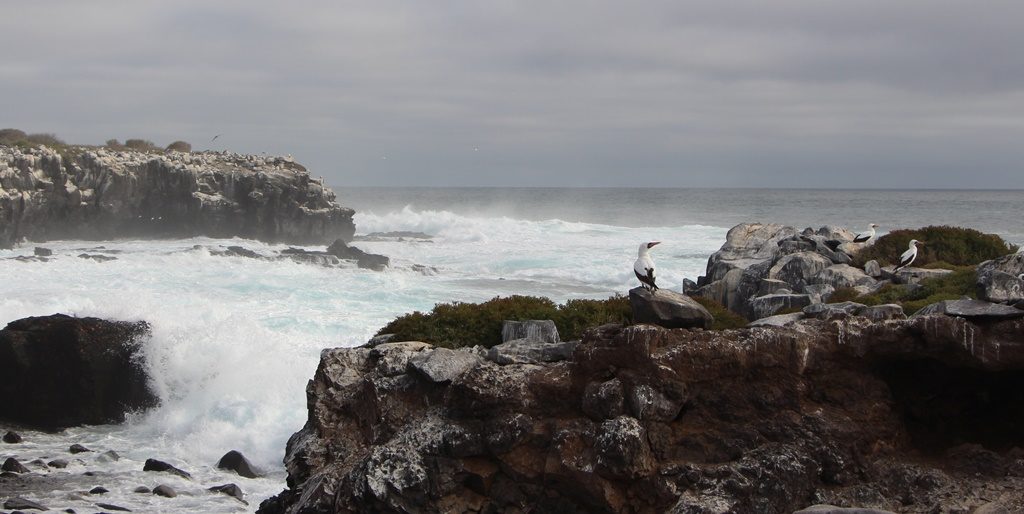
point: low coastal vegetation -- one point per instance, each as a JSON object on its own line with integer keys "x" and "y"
{"x": 958, "y": 284}
{"x": 724, "y": 318}
{"x": 459, "y": 324}
{"x": 21, "y": 139}
{"x": 945, "y": 247}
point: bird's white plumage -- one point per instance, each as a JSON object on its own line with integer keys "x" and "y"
{"x": 644, "y": 265}
{"x": 908, "y": 256}
{"x": 864, "y": 237}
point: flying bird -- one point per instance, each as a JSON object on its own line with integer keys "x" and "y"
{"x": 215, "y": 138}
{"x": 644, "y": 266}
{"x": 866, "y": 236}
{"x": 909, "y": 255}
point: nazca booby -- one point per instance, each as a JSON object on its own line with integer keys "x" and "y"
{"x": 644, "y": 266}
{"x": 909, "y": 255}
{"x": 866, "y": 236}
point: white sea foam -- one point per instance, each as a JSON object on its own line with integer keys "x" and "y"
{"x": 234, "y": 340}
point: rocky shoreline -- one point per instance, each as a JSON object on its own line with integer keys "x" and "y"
{"x": 99, "y": 193}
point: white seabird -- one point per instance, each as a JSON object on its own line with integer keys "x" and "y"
{"x": 909, "y": 255}
{"x": 644, "y": 266}
{"x": 866, "y": 236}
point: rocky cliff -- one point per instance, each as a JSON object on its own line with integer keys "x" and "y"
{"x": 910, "y": 415}
{"x": 95, "y": 193}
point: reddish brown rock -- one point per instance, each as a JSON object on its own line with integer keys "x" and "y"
{"x": 917, "y": 415}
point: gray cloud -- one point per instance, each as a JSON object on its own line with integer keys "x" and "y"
{"x": 746, "y": 93}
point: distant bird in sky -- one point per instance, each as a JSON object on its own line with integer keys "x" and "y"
{"x": 908, "y": 256}
{"x": 215, "y": 138}
{"x": 866, "y": 236}
{"x": 644, "y": 266}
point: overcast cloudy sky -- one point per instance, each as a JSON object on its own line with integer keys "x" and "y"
{"x": 784, "y": 93}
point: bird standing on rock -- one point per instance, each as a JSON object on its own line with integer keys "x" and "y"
{"x": 866, "y": 236}
{"x": 644, "y": 266}
{"x": 908, "y": 256}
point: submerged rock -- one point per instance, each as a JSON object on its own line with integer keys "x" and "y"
{"x": 12, "y": 465}
{"x": 59, "y": 371}
{"x": 12, "y": 437}
{"x": 668, "y": 309}
{"x": 77, "y": 448}
{"x": 230, "y": 490}
{"x": 165, "y": 490}
{"x": 16, "y": 503}
{"x": 364, "y": 260}
{"x": 161, "y": 466}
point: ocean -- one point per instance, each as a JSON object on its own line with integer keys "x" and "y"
{"x": 235, "y": 340}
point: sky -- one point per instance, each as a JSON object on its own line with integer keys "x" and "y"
{"x": 787, "y": 93}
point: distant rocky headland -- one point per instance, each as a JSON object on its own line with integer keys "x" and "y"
{"x": 101, "y": 193}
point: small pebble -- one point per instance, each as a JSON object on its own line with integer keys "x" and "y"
{"x": 142, "y": 490}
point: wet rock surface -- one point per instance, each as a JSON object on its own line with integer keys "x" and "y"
{"x": 60, "y": 371}
{"x": 96, "y": 193}
{"x": 916, "y": 415}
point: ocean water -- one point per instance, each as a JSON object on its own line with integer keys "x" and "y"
{"x": 234, "y": 340}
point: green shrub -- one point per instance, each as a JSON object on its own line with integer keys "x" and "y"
{"x": 953, "y": 246}
{"x": 844, "y": 294}
{"x": 179, "y": 146}
{"x": 44, "y": 139}
{"x": 459, "y": 324}
{"x": 140, "y": 145}
{"x": 955, "y": 285}
{"x": 11, "y": 136}
{"x": 724, "y": 318}
{"x": 114, "y": 144}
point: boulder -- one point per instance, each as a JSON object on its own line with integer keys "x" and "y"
{"x": 165, "y": 490}
{"x": 99, "y": 490}
{"x": 230, "y": 490}
{"x": 12, "y": 465}
{"x": 142, "y": 490}
{"x": 778, "y": 320}
{"x": 969, "y": 308}
{"x": 58, "y": 463}
{"x": 544, "y": 331}
{"x": 16, "y": 503}
{"x": 108, "y": 456}
{"x": 12, "y": 437}
{"x": 917, "y": 275}
{"x": 77, "y": 448}
{"x": 689, "y": 286}
{"x": 872, "y": 269}
{"x": 798, "y": 268}
{"x": 668, "y": 309}
{"x": 604, "y": 400}
{"x": 772, "y": 286}
{"x": 161, "y": 466}
{"x": 530, "y": 351}
{"x": 999, "y": 280}
{"x": 842, "y": 276}
{"x": 833, "y": 310}
{"x": 61, "y": 371}
{"x": 764, "y": 306}
{"x": 819, "y": 293}
{"x": 835, "y": 233}
{"x": 621, "y": 449}
{"x": 235, "y": 461}
{"x": 442, "y": 364}
{"x": 110, "y": 506}
{"x": 42, "y": 252}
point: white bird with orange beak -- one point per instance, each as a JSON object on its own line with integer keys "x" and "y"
{"x": 908, "y": 256}
{"x": 644, "y": 266}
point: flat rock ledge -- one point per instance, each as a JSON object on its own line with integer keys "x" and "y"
{"x": 909, "y": 415}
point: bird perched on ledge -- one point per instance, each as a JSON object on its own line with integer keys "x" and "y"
{"x": 644, "y": 266}
{"x": 908, "y": 256}
{"x": 866, "y": 236}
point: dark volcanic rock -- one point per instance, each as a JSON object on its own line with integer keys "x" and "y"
{"x": 110, "y": 506}
{"x": 529, "y": 351}
{"x": 230, "y": 490}
{"x": 99, "y": 490}
{"x": 969, "y": 308}
{"x": 58, "y": 463}
{"x": 165, "y": 490}
{"x": 77, "y": 448}
{"x": 643, "y": 419}
{"x": 23, "y": 504}
{"x": 12, "y": 437}
{"x": 42, "y": 252}
{"x": 88, "y": 193}
{"x": 157, "y": 465}
{"x": 235, "y": 461}
{"x": 668, "y": 309}
{"x": 363, "y": 260}
{"x": 12, "y": 465}
{"x": 60, "y": 371}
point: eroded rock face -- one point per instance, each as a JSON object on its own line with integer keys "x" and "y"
{"x": 1000, "y": 280}
{"x": 89, "y": 193}
{"x": 643, "y": 419}
{"x": 58, "y": 371}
